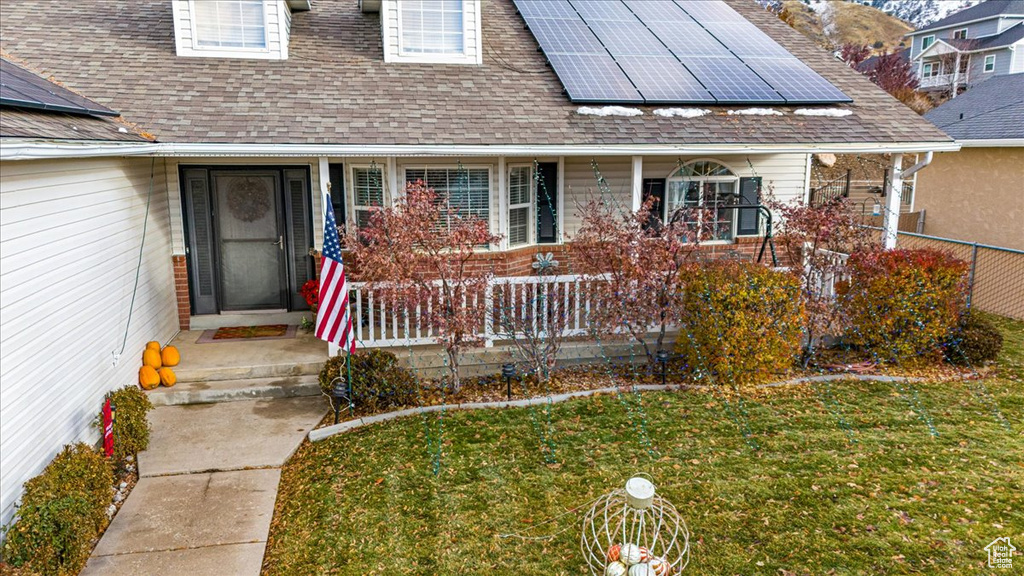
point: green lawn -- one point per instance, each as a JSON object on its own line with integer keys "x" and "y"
{"x": 897, "y": 500}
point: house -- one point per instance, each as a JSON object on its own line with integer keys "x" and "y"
{"x": 988, "y": 122}
{"x": 259, "y": 106}
{"x": 970, "y": 46}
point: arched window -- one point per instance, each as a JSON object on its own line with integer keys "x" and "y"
{"x": 698, "y": 191}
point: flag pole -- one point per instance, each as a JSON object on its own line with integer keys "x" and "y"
{"x": 348, "y": 381}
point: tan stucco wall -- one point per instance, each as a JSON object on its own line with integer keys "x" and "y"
{"x": 976, "y": 194}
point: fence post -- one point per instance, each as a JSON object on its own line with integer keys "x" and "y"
{"x": 489, "y": 314}
{"x": 970, "y": 278}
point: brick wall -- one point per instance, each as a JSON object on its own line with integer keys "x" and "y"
{"x": 181, "y": 289}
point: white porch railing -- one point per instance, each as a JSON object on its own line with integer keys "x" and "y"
{"x": 942, "y": 80}
{"x": 823, "y": 284}
{"x": 505, "y": 306}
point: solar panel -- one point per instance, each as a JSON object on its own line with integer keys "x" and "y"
{"x": 797, "y": 83}
{"x": 662, "y": 80}
{"x": 731, "y": 82}
{"x": 668, "y": 51}
{"x": 590, "y": 78}
{"x": 21, "y": 88}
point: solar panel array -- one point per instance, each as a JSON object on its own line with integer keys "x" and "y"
{"x": 23, "y": 89}
{"x": 668, "y": 52}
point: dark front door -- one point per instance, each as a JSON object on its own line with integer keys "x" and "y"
{"x": 248, "y": 238}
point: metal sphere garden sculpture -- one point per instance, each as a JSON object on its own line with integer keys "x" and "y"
{"x": 634, "y": 532}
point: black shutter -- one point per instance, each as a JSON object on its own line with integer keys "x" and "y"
{"x": 749, "y": 218}
{"x": 655, "y": 187}
{"x": 300, "y": 236}
{"x": 337, "y": 175}
{"x": 547, "y": 203}
{"x": 199, "y": 224}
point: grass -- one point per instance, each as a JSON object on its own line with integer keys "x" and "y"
{"x": 893, "y": 500}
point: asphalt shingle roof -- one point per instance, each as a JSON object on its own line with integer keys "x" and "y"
{"x": 1004, "y": 38}
{"x": 336, "y": 89}
{"x": 979, "y": 11}
{"x": 993, "y": 109}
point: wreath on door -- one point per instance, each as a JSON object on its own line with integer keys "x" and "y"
{"x": 248, "y": 199}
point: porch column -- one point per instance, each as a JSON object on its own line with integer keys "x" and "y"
{"x": 502, "y": 216}
{"x": 956, "y": 76}
{"x": 638, "y": 183}
{"x": 891, "y": 221}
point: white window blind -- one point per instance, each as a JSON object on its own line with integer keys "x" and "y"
{"x": 466, "y": 190}
{"x": 520, "y": 183}
{"x": 230, "y": 24}
{"x": 367, "y": 193}
{"x": 432, "y": 27}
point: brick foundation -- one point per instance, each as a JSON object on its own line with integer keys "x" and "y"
{"x": 181, "y": 290}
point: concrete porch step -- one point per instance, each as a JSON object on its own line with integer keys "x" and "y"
{"x": 247, "y": 372}
{"x": 214, "y": 391}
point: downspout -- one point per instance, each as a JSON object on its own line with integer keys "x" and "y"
{"x": 890, "y": 227}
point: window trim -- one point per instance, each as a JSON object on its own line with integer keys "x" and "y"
{"x": 472, "y": 32}
{"x": 229, "y": 50}
{"x": 927, "y": 42}
{"x": 350, "y": 185}
{"x": 734, "y": 178}
{"x": 530, "y": 205}
{"x": 427, "y": 55}
{"x": 957, "y": 31}
{"x": 989, "y": 64}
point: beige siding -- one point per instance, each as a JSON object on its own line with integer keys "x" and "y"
{"x": 69, "y": 248}
{"x": 974, "y": 195}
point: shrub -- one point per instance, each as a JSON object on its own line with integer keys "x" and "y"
{"x": 974, "y": 340}
{"x": 742, "y": 322}
{"x": 62, "y": 511}
{"x": 902, "y": 304}
{"x": 378, "y": 381}
{"x": 131, "y": 426}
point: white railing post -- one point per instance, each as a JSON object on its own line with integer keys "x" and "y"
{"x": 489, "y": 313}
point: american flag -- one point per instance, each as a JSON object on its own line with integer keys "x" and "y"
{"x": 333, "y": 321}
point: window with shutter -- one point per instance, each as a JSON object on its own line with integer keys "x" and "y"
{"x": 230, "y": 24}
{"x": 431, "y": 27}
{"x": 367, "y": 193}
{"x": 520, "y": 184}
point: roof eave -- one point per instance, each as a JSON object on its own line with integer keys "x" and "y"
{"x": 991, "y": 142}
{"x": 960, "y": 24}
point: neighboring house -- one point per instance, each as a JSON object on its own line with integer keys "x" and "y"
{"x": 256, "y": 106}
{"x": 977, "y": 193}
{"x": 970, "y": 46}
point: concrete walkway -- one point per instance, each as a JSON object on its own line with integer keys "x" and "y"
{"x": 207, "y": 487}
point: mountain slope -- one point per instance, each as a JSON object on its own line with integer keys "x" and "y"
{"x": 832, "y": 23}
{"x": 922, "y": 12}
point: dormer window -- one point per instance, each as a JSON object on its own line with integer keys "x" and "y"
{"x": 431, "y": 27}
{"x": 230, "y": 24}
{"x": 431, "y": 31}
{"x": 255, "y": 29}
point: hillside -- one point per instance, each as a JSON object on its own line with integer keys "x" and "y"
{"x": 832, "y": 23}
{"x": 922, "y": 12}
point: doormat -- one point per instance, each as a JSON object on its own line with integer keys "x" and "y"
{"x": 265, "y": 332}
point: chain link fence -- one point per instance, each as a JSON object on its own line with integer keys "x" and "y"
{"x": 996, "y": 283}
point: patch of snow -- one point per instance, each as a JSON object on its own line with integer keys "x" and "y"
{"x": 830, "y": 112}
{"x": 608, "y": 111}
{"x": 755, "y": 112}
{"x": 122, "y": 130}
{"x": 921, "y": 13}
{"x": 681, "y": 112}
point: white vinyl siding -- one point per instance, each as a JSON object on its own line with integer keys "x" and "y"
{"x": 367, "y": 193}
{"x": 232, "y": 28}
{"x": 520, "y": 199}
{"x": 70, "y": 232}
{"x": 465, "y": 190}
{"x": 412, "y": 35}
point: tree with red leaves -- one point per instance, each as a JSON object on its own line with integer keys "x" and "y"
{"x": 892, "y": 73}
{"x": 854, "y": 54}
{"x": 642, "y": 259}
{"x": 419, "y": 256}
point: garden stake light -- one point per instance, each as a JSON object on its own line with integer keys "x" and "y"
{"x": 509, "y": 372}
{"x": 662, "y": 357}
{"x": 337, "y": 393}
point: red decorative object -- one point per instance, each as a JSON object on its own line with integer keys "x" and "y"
{"x": 311, "y": 292}
{"x": 108, "y": 428}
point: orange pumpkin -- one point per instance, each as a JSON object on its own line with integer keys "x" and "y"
{"x": 153, "y": 345}
{"x": 170, "y": 356}
{"x": 151, "y": 358}
{"x": 167, "y": 377}
{"x": 148, "y": 378}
